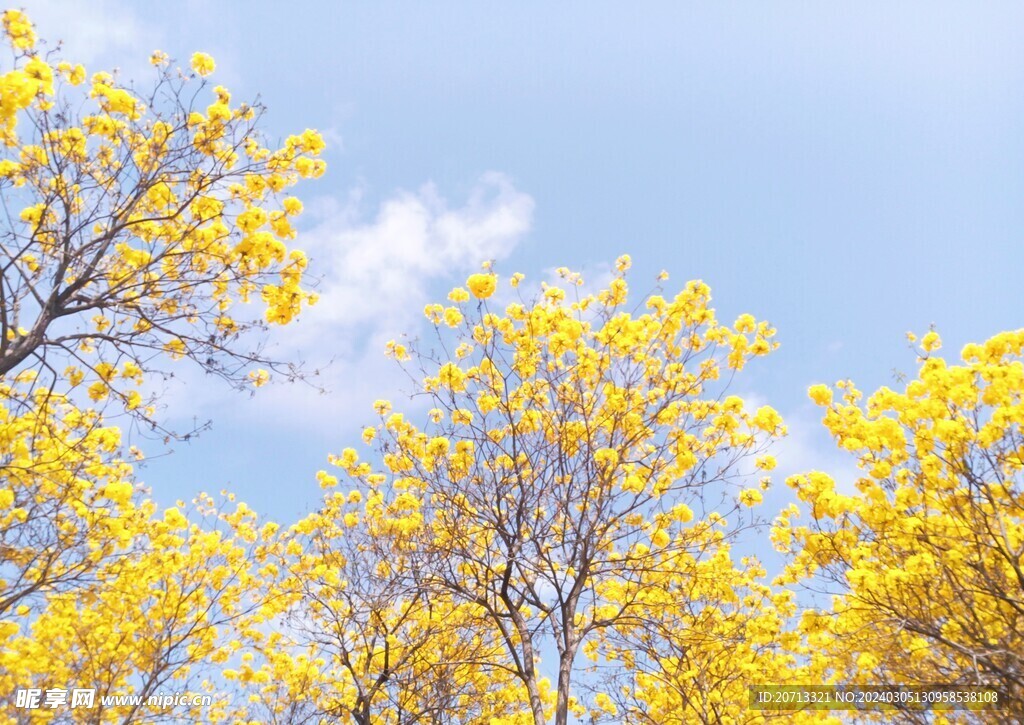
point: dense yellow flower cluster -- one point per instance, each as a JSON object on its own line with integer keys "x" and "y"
{"x": 394, "y": 650}
{"x": 98, "y": 587}
{"x": 699, "y": 631}
{"x": 929, "y": 548}
{"x": 162, "y": 605}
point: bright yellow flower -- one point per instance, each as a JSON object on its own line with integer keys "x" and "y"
{"x": 174, "y": 518}
{"x": 98, "y": 391}
{"x": 482, "y": 285}
{"x": 751, "y": 497}
{"x": 820, "y": 394}
{"x": 202, "y": 64}
{"x": 18, "y": 28}
{"x": 259, "y": 378}
{"x": 931, "y": 341}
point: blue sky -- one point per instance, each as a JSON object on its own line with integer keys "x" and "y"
{"x": 849, "y": 171}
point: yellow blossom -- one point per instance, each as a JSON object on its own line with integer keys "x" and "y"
{"x": 202, "y": 64}
{"x": 482, "y": 285}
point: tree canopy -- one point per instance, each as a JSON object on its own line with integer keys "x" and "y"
{"x": 566, "y": 521}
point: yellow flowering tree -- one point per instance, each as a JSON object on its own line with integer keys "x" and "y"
{"x": 573, "y": 441}
{"x": 137, "y": 223}
{"x": 700, "y": 631}
{"x": 348, "y": 631}
{"x": 65, "y": 499}
{"x": 926, "y": 556}
{"x": 156, "y": 618}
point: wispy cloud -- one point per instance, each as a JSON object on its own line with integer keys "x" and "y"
{"x": 377, "y": 270}
{"x": 375, "y": 274}
{"x": 105, "y": 35}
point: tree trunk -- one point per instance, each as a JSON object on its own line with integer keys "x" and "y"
{"x": 529, "y": 673}
{"x": 565, "y": 661}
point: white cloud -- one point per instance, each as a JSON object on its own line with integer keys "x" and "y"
{"x": 377, "y": 271}
{"x": 103, "y": 35}
{"x": 375, "y": 276}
